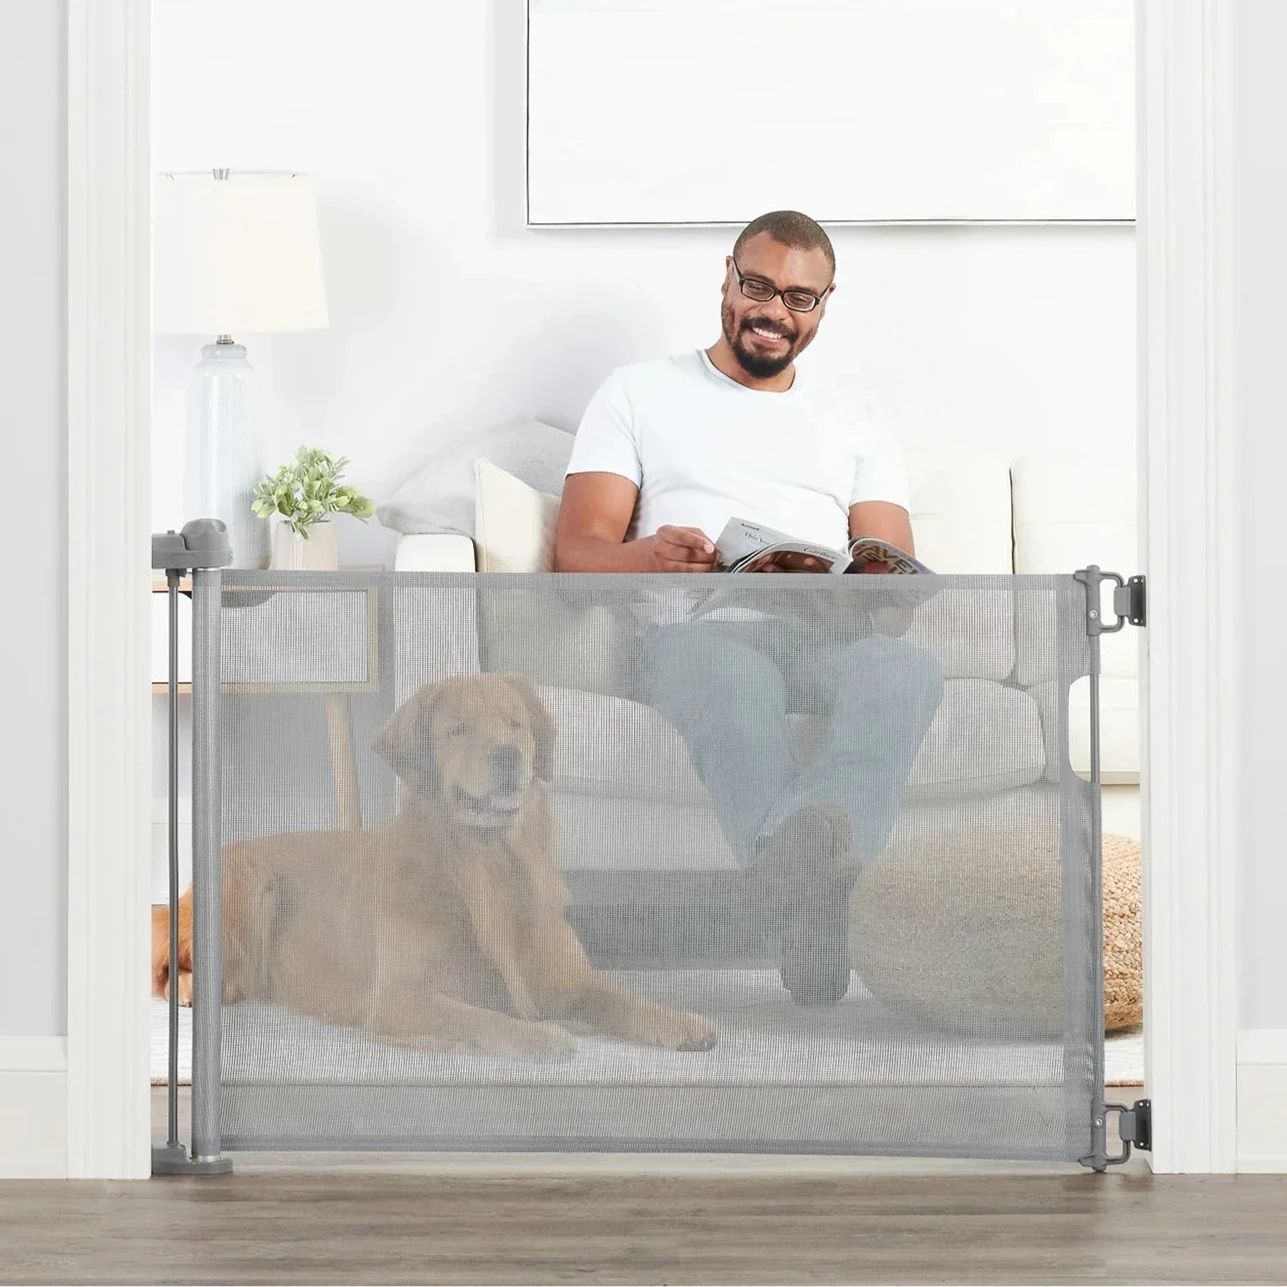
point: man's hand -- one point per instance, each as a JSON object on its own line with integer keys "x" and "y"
{"x": 682, "y": 549}
{"x": 786, "y": 561}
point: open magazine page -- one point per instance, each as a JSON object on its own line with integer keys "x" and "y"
{"x": 871, "y": 549}
{"x": 745, "y": 546}
{"x": 751, "y": 547}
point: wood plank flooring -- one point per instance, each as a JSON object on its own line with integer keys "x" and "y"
{"x": 534, "y": 1219}
{"x": 401, "y": 1228}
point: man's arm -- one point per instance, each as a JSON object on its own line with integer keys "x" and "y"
{"x": 883, "y": 520}
{"x": 590, "y": 535}
{"x": 890, "y": 523}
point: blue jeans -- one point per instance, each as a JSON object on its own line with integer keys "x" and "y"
{"x": 727, "y": 688}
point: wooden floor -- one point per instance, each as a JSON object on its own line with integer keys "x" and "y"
{"x": 321, "y": 1219}
{"x": 387, "y": 1228}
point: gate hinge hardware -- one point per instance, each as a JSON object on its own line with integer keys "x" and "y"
{"x": 1134, "y": 1129}
{"x": 1130, "y": 600}
{"x": 1135, "y": 1125}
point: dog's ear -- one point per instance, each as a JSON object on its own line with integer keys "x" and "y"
{"x": 406, "y": 742}
{"x": 542, "y": 729}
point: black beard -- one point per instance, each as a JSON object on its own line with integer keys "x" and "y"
{"x": 759, "y": 366}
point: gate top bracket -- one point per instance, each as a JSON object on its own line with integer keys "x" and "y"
{"x": 1129, "y": 600}
{"x": 203, "y": 543}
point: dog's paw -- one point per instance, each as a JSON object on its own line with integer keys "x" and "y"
{"x": 674, "y": 1030}
{"x": 700, "y": 1035}
{"x": 700, "y": 1041}
{"x": 185, "y": 989}
{"x": 558, "y": 1045}
{"x": 535, "y": 1043}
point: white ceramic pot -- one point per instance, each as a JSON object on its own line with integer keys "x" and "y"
{"x": 319, "y": 551}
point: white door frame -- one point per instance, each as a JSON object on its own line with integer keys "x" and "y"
{"x": 109, "y": 399}
{"x": 1188, "y": 453}
{"x": 1187, "y": 450}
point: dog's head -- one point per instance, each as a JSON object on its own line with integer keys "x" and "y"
{"x": 474, "y": 744}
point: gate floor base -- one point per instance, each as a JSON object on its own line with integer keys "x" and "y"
{"x": 844, "y": 1078}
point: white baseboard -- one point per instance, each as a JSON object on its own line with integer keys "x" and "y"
{"x": 1262, "y": 1100}
{"x": 33, "y": 1108}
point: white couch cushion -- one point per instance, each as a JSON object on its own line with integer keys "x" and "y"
{"x": 615, "y": 747}
{"x": 1119, "y": 728}
{"x": 960, "y": 508}
{"x": 971, "y": 632}
{"x": 1070, "y": 512}
{"x": 602, "y": 833}
{"x": 550, "y": 641}
{"x": 961, "y": 516}
{"x": 616, "y": 833}
{"x": 985, "y": 737}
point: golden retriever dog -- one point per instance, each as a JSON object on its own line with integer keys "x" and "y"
{"x": 445, "y": 929}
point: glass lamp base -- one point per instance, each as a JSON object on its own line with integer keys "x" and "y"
{"x": 224, "y": 457}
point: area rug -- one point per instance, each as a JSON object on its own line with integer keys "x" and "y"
{"x": 761, "y": 1029}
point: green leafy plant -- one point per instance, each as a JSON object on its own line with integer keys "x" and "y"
{"x": 309, "y": 489}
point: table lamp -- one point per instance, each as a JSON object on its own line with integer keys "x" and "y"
{"x": 232, "y": 254}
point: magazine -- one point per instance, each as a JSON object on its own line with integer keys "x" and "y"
{"x": 751, "y": 547}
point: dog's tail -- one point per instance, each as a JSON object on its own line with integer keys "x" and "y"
{"x": 161, "y": 965}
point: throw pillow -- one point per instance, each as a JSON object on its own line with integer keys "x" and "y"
{"x": 513, "y": 523}
{"x": 440, "y": 497}
{"x": 538, "y": 632}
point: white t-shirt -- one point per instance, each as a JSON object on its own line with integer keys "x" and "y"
{"x": 702, "y": 449}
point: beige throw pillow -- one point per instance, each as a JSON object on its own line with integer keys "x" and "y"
{"x": 513, "y": 523}
{"x": 535, "y": 631}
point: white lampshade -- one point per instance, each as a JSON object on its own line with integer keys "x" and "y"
{"x": 236, "y": 255}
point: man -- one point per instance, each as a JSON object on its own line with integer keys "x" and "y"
{"x": 666, "y": 453}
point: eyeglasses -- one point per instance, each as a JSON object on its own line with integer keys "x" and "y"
{"x": 756, "y": 288}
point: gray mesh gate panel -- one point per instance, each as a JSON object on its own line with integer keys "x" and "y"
{"x": 831, "y": 884}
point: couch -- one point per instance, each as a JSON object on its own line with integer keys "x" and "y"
{"x": 972, "y": 513}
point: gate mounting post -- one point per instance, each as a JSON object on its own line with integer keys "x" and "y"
{"x": 201, "y": 548}
{"x": 1130, "y": 607}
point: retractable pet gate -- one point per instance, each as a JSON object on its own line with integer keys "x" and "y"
{"x": 946, "y": 1000}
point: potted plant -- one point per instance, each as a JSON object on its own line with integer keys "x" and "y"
{"x": 298, "y": 500}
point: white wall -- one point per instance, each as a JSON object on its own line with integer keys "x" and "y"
{"x": 447, "y": 314}
{"x": 33, "y": 644}
{"x": 1260, "y": 195}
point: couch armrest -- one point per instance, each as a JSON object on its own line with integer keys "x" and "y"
{"x": 436, "y": 629}
{"x": 435, "y": 552}
{"x": 1119, "y": 728}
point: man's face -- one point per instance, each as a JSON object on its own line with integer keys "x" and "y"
{"x": 767, "y": 337}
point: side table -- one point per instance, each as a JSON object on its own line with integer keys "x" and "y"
{"x": 355, "y": 669}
